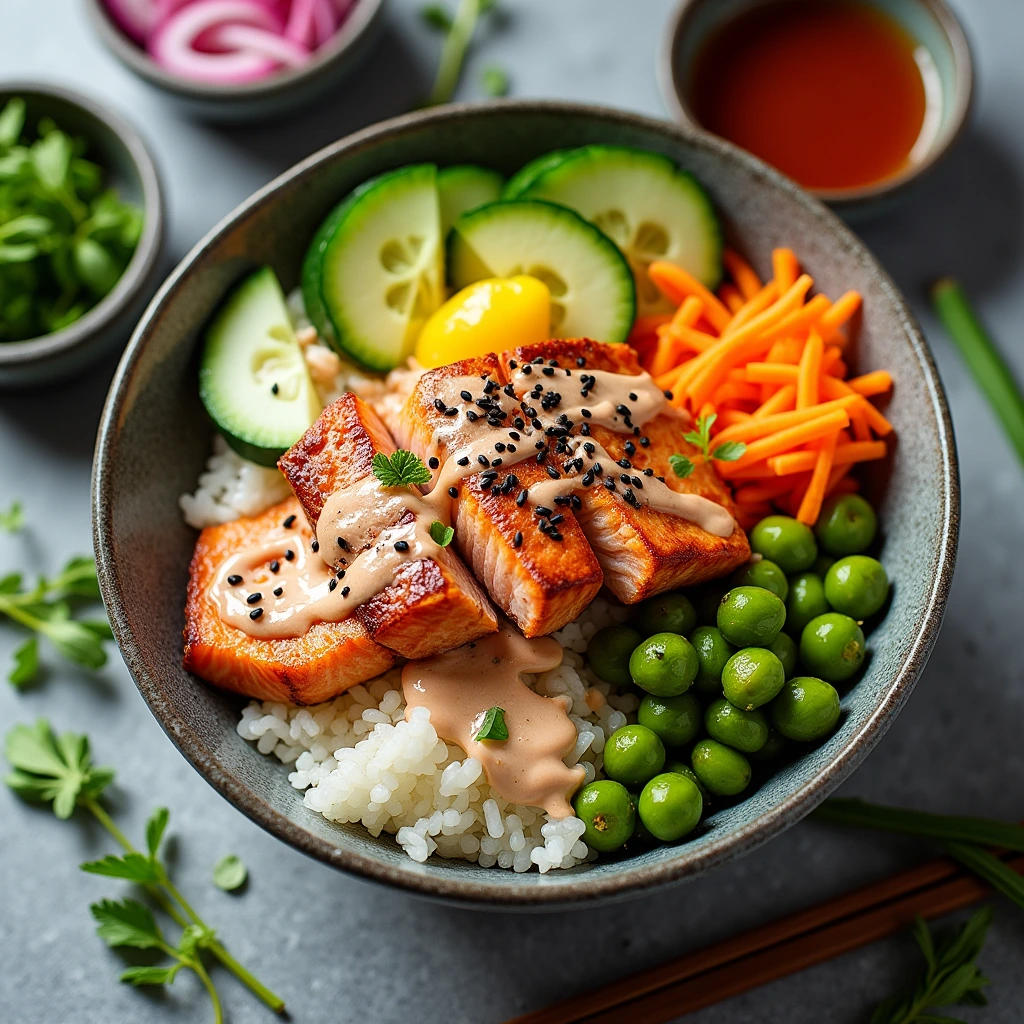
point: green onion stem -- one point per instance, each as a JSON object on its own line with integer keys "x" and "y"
{"x": 984, "y": 831}
{"x": 453, "y": 53}
{"x": 991, "y": 869}
{"x": 987, "y": 366}
{"x": 275, "y": 1002}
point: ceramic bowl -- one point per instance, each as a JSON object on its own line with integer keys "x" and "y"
{"x": 154, "y": 440}
{"x": 119, "y": 149}
{"x": 944, "y": 57}
{"x": 252, "y": 101}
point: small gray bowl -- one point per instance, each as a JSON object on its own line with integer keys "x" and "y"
{"x": 154, "y": 440}
{"x": 119, "y": 149}
{"x": 251, "y": 101}
{"x": 930, "y": 22}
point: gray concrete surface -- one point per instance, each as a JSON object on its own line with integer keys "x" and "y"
{"x": 341, "y": 950}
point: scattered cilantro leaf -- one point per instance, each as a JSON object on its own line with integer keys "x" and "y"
{"x": 229, "y": 873}
{"x": 155, "y": 828}
{"x": 151, "y": 975}
{"x": 701, "y": 437}
{"x": 493, "y": 726}
{"x": 400, "y": 470}
{"x": 13, "y": 519}
{"x": 729, "y": 451}
{"x": 681, "y": 465}
{"x": 440, "y": 534}
{"x": 495, "y": 81}
{"x": 132, "y": 867}
{"x": 127, "y": 923}
{"x": 435, "y": 16}
{"x": 26, "y": 663}
{"x": 951, "y": 976}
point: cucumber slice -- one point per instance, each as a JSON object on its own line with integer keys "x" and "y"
{"x": 528, "y": 173}
{"x": 464, "y": 188}
{"x": 374, "y": 272}
{"x": 649, "y": 207}
{"x": 252, "y": 377}
{"x": 592, "y": 293}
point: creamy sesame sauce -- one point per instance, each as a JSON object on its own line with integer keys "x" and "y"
{"x": 366, "y": 532}
{"x": 461, "y": 686}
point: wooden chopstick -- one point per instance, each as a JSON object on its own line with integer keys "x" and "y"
{"x": 774, "y": 950}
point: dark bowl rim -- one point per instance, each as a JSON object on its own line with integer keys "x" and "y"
{"x": 673, "y": 92}
{"x": 547, "y": 892}
{"x": 144, "y": 261}
{"x": 355, "y": 26}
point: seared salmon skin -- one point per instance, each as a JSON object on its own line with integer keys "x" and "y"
{"x": 309, "y": 669}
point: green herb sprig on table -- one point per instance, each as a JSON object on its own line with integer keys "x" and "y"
{"x": 728, "y": 451}
{"x": 458, "y": 35}
{"x": 951, "y": 976}
{"x": 58, "y": 770}
{"x": 65, "y": 239}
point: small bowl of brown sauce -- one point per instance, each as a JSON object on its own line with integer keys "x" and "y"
{"x": 853, "y": 99}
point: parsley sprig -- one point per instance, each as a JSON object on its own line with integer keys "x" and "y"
{"x": 58, "y": 770}
{"x": 400, "y": 470}
{"x": 951, "y": 977}
{"x": 728, "y": 451}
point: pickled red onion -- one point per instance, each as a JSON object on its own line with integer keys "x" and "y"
{"x": 232, "y": 36}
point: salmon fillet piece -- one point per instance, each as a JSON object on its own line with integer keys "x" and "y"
{"x": 540, "y": 583}
{"x": 644, "y": 552}
{"x": 434, "y": 604}
{"x": 329, "y": 659}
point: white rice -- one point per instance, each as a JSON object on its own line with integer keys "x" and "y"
{"x": 358, "y": 760}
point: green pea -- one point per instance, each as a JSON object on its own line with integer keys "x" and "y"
{"x": 784, "y": 648}
{"x": 666, "y": 613}
{"x": 857, "y": 586}
{"x": 751, "y": 616}
{"x": 752, "y": 677}
{"x": 664, "y": 664}
{"x": 832, "y": 647}
{"x": 736, "y": 728}
{"x": 762, "y": 573}
{"x": 684, "y": 769}
{"x": 806, "y": 601}
{"x": 786, "y": 541}
{"x": 774, "y": 747}
{"x": 633, "y": 754}
{"x": 608, "y": 653}
{"x": 608, "y": 812}
{"x": 670, "y": 806}
{"x": 713, "y": 651}
{"x": 724, "y": 771}
{"x": 807, "y": 709}
{"x": 675, "y": 719}
{"x": 847, "y": 525}
{"x": 706, "y": 600}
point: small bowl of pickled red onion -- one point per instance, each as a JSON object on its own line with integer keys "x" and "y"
{"x": 238, "y": 59}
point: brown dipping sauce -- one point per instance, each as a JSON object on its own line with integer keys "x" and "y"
{"x": 836, "y": 95}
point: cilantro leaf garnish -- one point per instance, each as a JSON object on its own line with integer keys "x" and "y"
{"x": 440, "y": 534}
{"x": 400, "y": 470}
{"x": 728, "y": 451}
{"x": 681, "y": 465}
{"x": 701, "y": 437}
{"x": 493, "y": 726}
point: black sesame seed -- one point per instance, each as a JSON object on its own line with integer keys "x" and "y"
{"x": 511, "y": 448}
{"x": 552, "y": 472}
{"x": 512, "y": 364}
{"x": 624, "y": 478}
{"x": 585, "y": 429}
{"x": 278, "y": 591}
{"x": 401, "y": 545}
{"x": 586, "y": 413}
{"x": 315, "y": 545}
{"x": 527, "y": 369}
{"x": 274, "y": 389}
{"x": 513, "y": 479}
{"x": 345, "y": 591}
{"x": 548, "y": 371}
{"x": 543, "y": 511}
{"x": 483, "y": 460}
{"x": 588, "y": 478}
{"x": 537, "y": 425}
{"x": 234, "y": 580}
{"x": 580, "y": 361}
{"x": 648, "y": 471}
{"x": 610, "y": 484}
{"x": 289, "y": 522}
{"x": 500, "y": 446}
{"x": 521, "y": 498}
{"x": 255, "y": 613}
{"x": 539, "y": 445}
{"x": 668, "y": 395}
{"x": 542, "y": 525}
{"x": 433, "y": 463}
{"x": 622, "y": 410}
{"x": 451, "y": 412}
{"x": 289, "y": 555}
{"x": 275, "y": 566}
{"x": 340, "y": 574}
{"x": 630, "y": 448}
{"x": 466, "y": 396}
{"x": 472, "y": 416}
{"x": 632, "y": 397}
{"x": 637, "y": 482}
{"x": 332, "y": 584}
{"x": 575, "y": 502}
{"x": 490, "y": 387}
{"x": 597, "y": 468}
{"x": 464, "y": 461}
{"x": 453, "y": 492}
{"x": 519, "y": 423}
{"x": 625, "y": 463}
{"x": 496, "y": 462}
{"x": 514, "y": 435}
{"x": 517, "y": 540}
{"x": 343, "y": 544}
{"x": 254, "y": 597}
{"x": 439, "y": 405}
{"x": 554, "y": 520}
{"x": 509, "y": 390}
{"x": 645, "y": 442}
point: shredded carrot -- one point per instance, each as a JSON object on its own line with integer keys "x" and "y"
{"x": 785, "y": 350}
{"x": 732, "y": 298}
{"x": 782, "y": 401}
{"x": 785, "y": 440}
{"x": 785, "y": 267}
{"x": 809, "y": 371}
{"x": 727, "y": 417}
{"x": 676, "y": 284}
{"x": 810, "y": 506}
{"x": 876, "y": 383}
{"x": 760, "y": 426}
{"x": 758, "y": 304}
{"x": 747, "y": 281}
{"x": 843, "y": 308}
{"x": 768, "y": 491}
{"x": 845, "y": 455}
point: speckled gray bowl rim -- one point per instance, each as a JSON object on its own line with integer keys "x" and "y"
{"x": 575, "y": 888}
{"x": 144, "y": 260}
{"x": 134, "y": 57}
{"x": 673, "y": 95}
